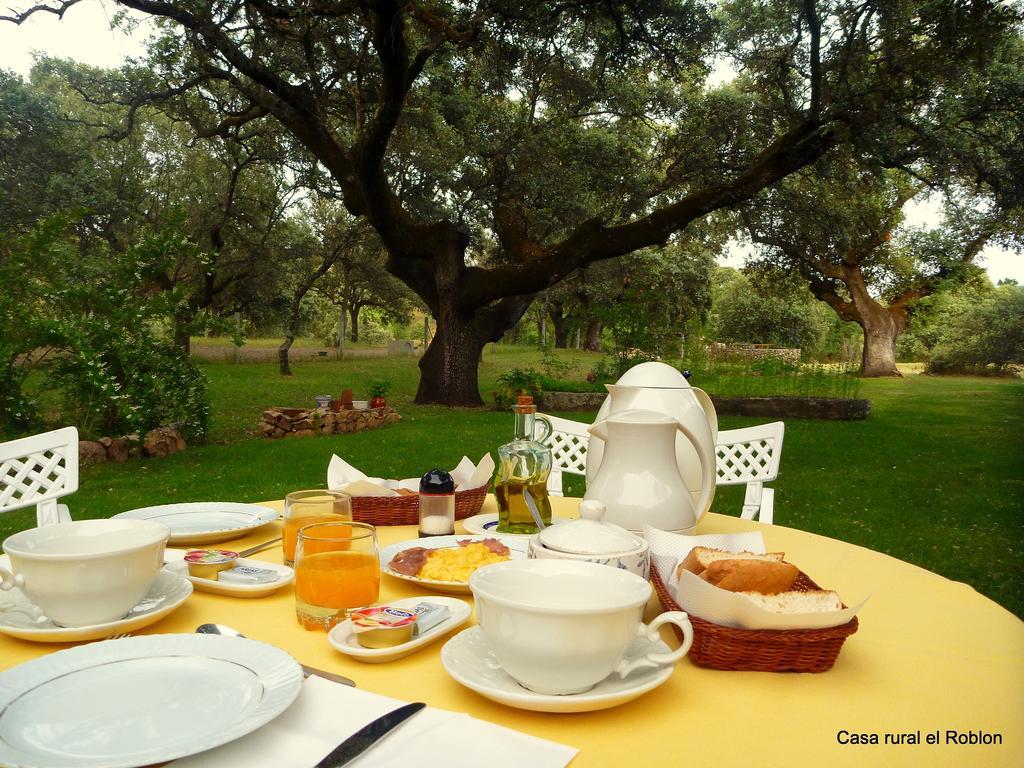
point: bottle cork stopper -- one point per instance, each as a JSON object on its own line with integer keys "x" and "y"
{"x": 524, "y": 404}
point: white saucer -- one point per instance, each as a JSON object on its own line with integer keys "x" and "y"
{"x": 205, "y": 522}
{"x": 468, "y": 658}
{"x": 167, "y": 593}
{"x": 343, "y": 639}
{"x": 176, "y": 564}
{"x": 488, "y": 523}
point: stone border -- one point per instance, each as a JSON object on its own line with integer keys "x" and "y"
{"x": 827, "y": 408}
{"x": 161, "y": 441}
{"x": 277, "y": 423}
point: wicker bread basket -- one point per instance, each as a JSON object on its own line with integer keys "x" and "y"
{"x": 761, "y": 650}
{"x": 405, "y": 510}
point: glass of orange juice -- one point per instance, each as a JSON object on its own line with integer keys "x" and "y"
{"x": 337, "y": 569}
{"x": 307, "y": 507}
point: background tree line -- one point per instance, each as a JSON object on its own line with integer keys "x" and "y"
{"x": 483, "y": 158}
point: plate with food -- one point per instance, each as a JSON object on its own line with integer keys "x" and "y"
{"x": 444, "y": 563}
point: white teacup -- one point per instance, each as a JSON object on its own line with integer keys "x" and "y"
{"x": 563, "y": 626}
{"x": 88, "y": 571}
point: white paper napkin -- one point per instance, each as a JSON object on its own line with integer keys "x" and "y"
{"x": 326, "y": 713}
{"x": 342, "y": 476}
{"x": 696, "y": 596}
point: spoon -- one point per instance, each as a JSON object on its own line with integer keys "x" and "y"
{"x": 223, "y": 629}
{"x": 532, "y": 506}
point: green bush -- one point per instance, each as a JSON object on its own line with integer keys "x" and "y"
{"x": 981, "y": 334}
{"x": 90, "y": 323}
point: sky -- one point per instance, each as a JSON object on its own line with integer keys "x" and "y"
{"x": 85, "y": 35}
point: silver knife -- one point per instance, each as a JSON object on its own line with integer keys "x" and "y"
{"x": 368, "y": 735}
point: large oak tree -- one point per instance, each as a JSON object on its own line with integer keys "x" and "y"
{"x": 496, "y": 147}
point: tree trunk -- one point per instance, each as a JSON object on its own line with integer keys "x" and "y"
{"x": 353, "y": 314}
{"x": 282, "y": 354}
{"x": 182, "y": 338}
{"x": 448, "y": 368}
{"x": 341, "y": 333}
{"x": 881, "y": 330}
{"x": 593, "y": 335}
{"x": 558, "y": 324}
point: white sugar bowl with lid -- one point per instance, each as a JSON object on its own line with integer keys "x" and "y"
{"x": 592, "y": 540}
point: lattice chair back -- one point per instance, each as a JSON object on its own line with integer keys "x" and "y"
{"x": 751, "y": 456}
{"x": 37, "y": 471}
{"x": 568, "y": 443}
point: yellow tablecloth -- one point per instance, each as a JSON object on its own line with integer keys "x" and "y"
{"x": 932, "y": 656}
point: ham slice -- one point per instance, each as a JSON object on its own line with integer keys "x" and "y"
{"x": 492, "y": 544}
{"x": 409, "y": 561}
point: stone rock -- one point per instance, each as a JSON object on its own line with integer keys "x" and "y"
{"x": 105, "y": 441}
{"x": 163, "y": 441}
{"x": 119, "y": 450}
{"x": 308, "y": 432}
{"x": 90, "y": 452}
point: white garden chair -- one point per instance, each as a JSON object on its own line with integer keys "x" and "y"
{"x": 37, "y": 471}
{"x": 568, "y": 443}
{"x": 749, "y": 456}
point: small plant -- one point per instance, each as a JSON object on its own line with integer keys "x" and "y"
{"x": 517, "y": 382}
{"x": 379, "y": 387}
{"x": 554, "y": 366}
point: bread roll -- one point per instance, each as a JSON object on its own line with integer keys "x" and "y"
{"x": 701, "y": 557}
{"x": 765, "y": 576}
{"x": 813, "y": 601}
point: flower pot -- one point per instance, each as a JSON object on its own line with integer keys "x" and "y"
{"x": 378, "y": 402}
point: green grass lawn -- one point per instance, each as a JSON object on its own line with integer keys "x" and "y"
{"x": 934, "y": 476}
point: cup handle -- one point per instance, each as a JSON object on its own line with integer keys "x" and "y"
{"x": 650, "y": 632}
{"x": 10, "y": 580}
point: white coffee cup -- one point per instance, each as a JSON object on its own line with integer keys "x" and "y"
{"x": 562, "y": 626}
{"x": 85, "y": 572}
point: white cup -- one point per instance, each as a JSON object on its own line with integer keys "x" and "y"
{"x": 85, "y": 572}
{"x": 563, "y": 626}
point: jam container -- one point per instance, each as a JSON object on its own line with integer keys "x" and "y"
{"x": 385, "y": 626}
{"x": 207, "y": 563}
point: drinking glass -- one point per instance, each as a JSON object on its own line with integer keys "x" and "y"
{"x": 307, "y": 507}
{"x": 337, "y": 569}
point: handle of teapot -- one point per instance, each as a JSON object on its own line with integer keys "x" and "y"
{"x": 707, "y": 472}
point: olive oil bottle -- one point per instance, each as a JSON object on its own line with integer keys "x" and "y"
{"x": 523, "y": 468}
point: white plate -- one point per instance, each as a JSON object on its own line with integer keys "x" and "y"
{"x": 488, "y": 523}
{"x": 177, "y": 565}
{"x": 517, "y": 545}
{"x": 343, "y": 639}
{"x": 140, "y": 700}
{"x": 167, "y": 593}
{"x": 205, "y": 522}
{"x": 468, "y": 658}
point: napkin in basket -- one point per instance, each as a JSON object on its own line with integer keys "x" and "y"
{"x": 326, "y": 713}
{"x": 696, "y": 596}
{"x": 342, "y": 476}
